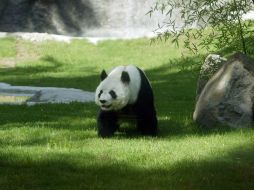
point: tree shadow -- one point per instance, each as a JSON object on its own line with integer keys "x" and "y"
{"x": 73, "y": 17}
{"x": 22, "y": 75}
{"x": 58, "y": 116}
{"x": 52, "y": 65}
{"x": 233, "y": 170}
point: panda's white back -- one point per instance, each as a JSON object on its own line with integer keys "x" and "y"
{"x": 135, "y": 79}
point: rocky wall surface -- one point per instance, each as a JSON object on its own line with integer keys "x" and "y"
{"x": 90, "y": 18}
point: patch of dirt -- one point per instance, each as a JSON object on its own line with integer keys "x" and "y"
{"x": 7, "y": 62}
{"x": 22, "y": 54}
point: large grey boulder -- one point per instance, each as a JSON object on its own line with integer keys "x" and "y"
{"x": 228, "y": 96}
{"x": 212, "y": 64}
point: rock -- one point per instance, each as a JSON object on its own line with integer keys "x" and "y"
{"x": 228, "y": 96}
{"x": 211, "y": 65}
{"x": 39, "y": 95}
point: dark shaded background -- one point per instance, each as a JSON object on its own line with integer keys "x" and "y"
{"x": 52, "y": 16}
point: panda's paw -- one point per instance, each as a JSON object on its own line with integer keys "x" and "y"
{"x": 105, "y": 133}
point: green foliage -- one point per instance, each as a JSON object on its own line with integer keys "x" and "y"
{"x": 222, "y": 18}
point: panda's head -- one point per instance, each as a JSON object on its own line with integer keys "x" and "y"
{"x": 113, "y": 93}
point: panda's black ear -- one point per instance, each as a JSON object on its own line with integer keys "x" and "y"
{"x": 103, "y": 75}
{"x": 125, "y": 77}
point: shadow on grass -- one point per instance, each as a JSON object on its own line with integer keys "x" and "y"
{"x": 232, "y": 170}
{"x": 34, "y": 125}
{"x": 52, "y": 66}
{"x": 37, "y": 75}
{"x": 46, "y": 113}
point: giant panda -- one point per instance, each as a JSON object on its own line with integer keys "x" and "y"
{"x": 125, "y": 93}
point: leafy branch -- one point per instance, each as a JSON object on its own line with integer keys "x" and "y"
{"x": 204, "y": 23}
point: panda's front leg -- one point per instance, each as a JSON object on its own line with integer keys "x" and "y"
{"x": 107, "y": 123}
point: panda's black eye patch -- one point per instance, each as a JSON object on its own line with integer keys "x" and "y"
{"x": 100, "y": 93}
{"x": 113, "y": 94}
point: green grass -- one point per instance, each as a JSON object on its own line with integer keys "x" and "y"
{"x": 56, "y": 146}
{"x": 7, "y": 47}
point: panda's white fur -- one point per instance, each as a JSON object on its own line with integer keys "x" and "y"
{"x": 127, "y": 93}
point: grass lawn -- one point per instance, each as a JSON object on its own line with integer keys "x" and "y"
{"x": 56, "y": 146}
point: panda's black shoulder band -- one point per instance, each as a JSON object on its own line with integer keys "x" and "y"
{"x": 125, "y": 77}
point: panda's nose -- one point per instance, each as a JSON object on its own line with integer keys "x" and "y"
{"x": 103, "y": 101}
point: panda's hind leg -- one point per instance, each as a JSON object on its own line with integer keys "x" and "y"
{"x": 107, "y": 123}
{"x": 147, "y": 122}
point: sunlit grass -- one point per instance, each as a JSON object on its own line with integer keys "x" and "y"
{"x": 7, "y": 47}
{"x": 55, "y": 146}
{"x": 6, "y": 99}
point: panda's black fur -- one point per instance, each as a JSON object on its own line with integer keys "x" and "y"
{"x": 142, "y": 111}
